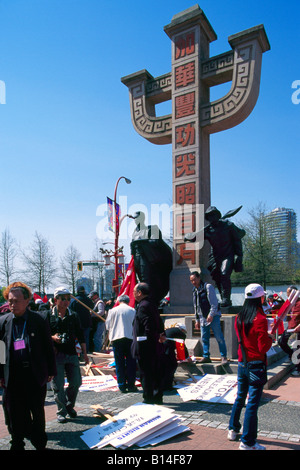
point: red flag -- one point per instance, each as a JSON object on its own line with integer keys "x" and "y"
{"x": 180, "y": 351}
{"x": 129, "y": 283}
{"x": 44, "y": 299}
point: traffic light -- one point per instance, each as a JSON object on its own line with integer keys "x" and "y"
{"x": 79, "y": 266}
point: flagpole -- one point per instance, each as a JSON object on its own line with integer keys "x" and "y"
{"x": 117, "y": 230}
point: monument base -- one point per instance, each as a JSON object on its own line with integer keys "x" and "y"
{"x": 193, "y": 338}
{"x": 227, "y": 326}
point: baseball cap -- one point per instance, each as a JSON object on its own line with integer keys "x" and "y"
{"x": 253, "y": 291}
{"x": 61, "y": 291}
{"x": 91, "y": 294}
{"x": 181, "y": 326}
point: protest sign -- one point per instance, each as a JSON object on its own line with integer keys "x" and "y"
{"x": 171, "y": 430}
{"x": 97, "y": 383}
{"x": 210, "y": 388}
{"x": 132, "y": 425}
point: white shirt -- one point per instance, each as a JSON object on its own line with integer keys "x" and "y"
{"x": 119, "y": 322}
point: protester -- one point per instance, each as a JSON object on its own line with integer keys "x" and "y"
{"x": 251, "y": 327}
{"x": 119, "y": 325}
{"x": 66, "y": 329}
{"x": 84, "y": 313}
{"x": 173, "y": 352}
{"x": 293, "y": 328}
{"x": 208, "y": 314}
{"x": 98, "y": 321}
{"x": 30, "y": 364}
{"x": 146, "y": 346}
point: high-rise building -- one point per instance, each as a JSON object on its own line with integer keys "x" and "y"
{"x": 282, "y": 224}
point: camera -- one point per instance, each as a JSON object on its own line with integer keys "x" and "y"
{"x": 64, "y": 338}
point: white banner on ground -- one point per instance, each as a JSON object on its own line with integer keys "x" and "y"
{"x": 130, "y": 426}
{"x": 210, "y": 388}
{"x": 98, "y": 383}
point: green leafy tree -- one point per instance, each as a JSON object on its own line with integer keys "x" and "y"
{"x": 262, "y": 261}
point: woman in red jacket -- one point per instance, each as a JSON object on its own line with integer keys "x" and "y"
{"x": 254, "y": 341}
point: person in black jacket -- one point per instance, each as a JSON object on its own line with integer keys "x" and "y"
{"x": 85, "y": 316}
{"x": 147, "y": 347}
{"x": 29, "y": 365}
{"x": 66, "y": 330}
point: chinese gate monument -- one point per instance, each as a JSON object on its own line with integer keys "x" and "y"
{"x": 192, "y": 121}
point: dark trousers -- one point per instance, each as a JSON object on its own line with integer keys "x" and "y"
{"x": 125, "y": 363}
{"x": 65, "y": 398}
{"x": 23, "y": 403}
{"x": 283, "y": 343}
{"x": 151, "y": 378}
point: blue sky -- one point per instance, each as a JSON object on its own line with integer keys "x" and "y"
{"x": 65, "y": 128}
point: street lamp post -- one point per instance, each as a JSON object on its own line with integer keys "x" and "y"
{"x": 117, "y": 230}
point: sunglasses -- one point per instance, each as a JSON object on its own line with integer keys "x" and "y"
{"x": 65, "y": 297}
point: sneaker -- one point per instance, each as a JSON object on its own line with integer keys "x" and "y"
{"x": 224, "y": 360}
{"x": 232, "y": 435}
{"x": 255, "y": 447}
{"x": 61, "y": 419}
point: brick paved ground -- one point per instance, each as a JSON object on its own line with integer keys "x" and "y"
{"x": 204, "y": 434}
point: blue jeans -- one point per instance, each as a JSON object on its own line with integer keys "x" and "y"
{"x": 65, "y": 398}
{"x": 205, "y": 337}
{"x": 125, "y": 363}
{"x": 250, "y": 419}
{"x": 99, "y": 336}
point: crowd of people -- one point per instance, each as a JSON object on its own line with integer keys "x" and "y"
{"x": 44, "y": 343}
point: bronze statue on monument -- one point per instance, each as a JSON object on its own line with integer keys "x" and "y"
{"x": 226, "y": 253}
{"x": 152, "y": 257}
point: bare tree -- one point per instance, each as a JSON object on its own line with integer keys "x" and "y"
{"x": 7, "y": 257}
{"x": 68, "y": 266}
{"x": 40, "y": 268}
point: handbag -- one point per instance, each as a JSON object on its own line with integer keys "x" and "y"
{"x": 256, "y": 370}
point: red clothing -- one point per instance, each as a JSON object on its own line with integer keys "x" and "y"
{"x": 258, "y": 342}
{"x": 295, "y": 316}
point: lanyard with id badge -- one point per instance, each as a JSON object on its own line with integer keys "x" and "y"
{"x": 19, "y": 343}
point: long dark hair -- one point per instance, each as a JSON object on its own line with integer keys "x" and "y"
{"x": 248, "y": 313}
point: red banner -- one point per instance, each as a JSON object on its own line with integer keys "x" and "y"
{"x": 129, "y": 283}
